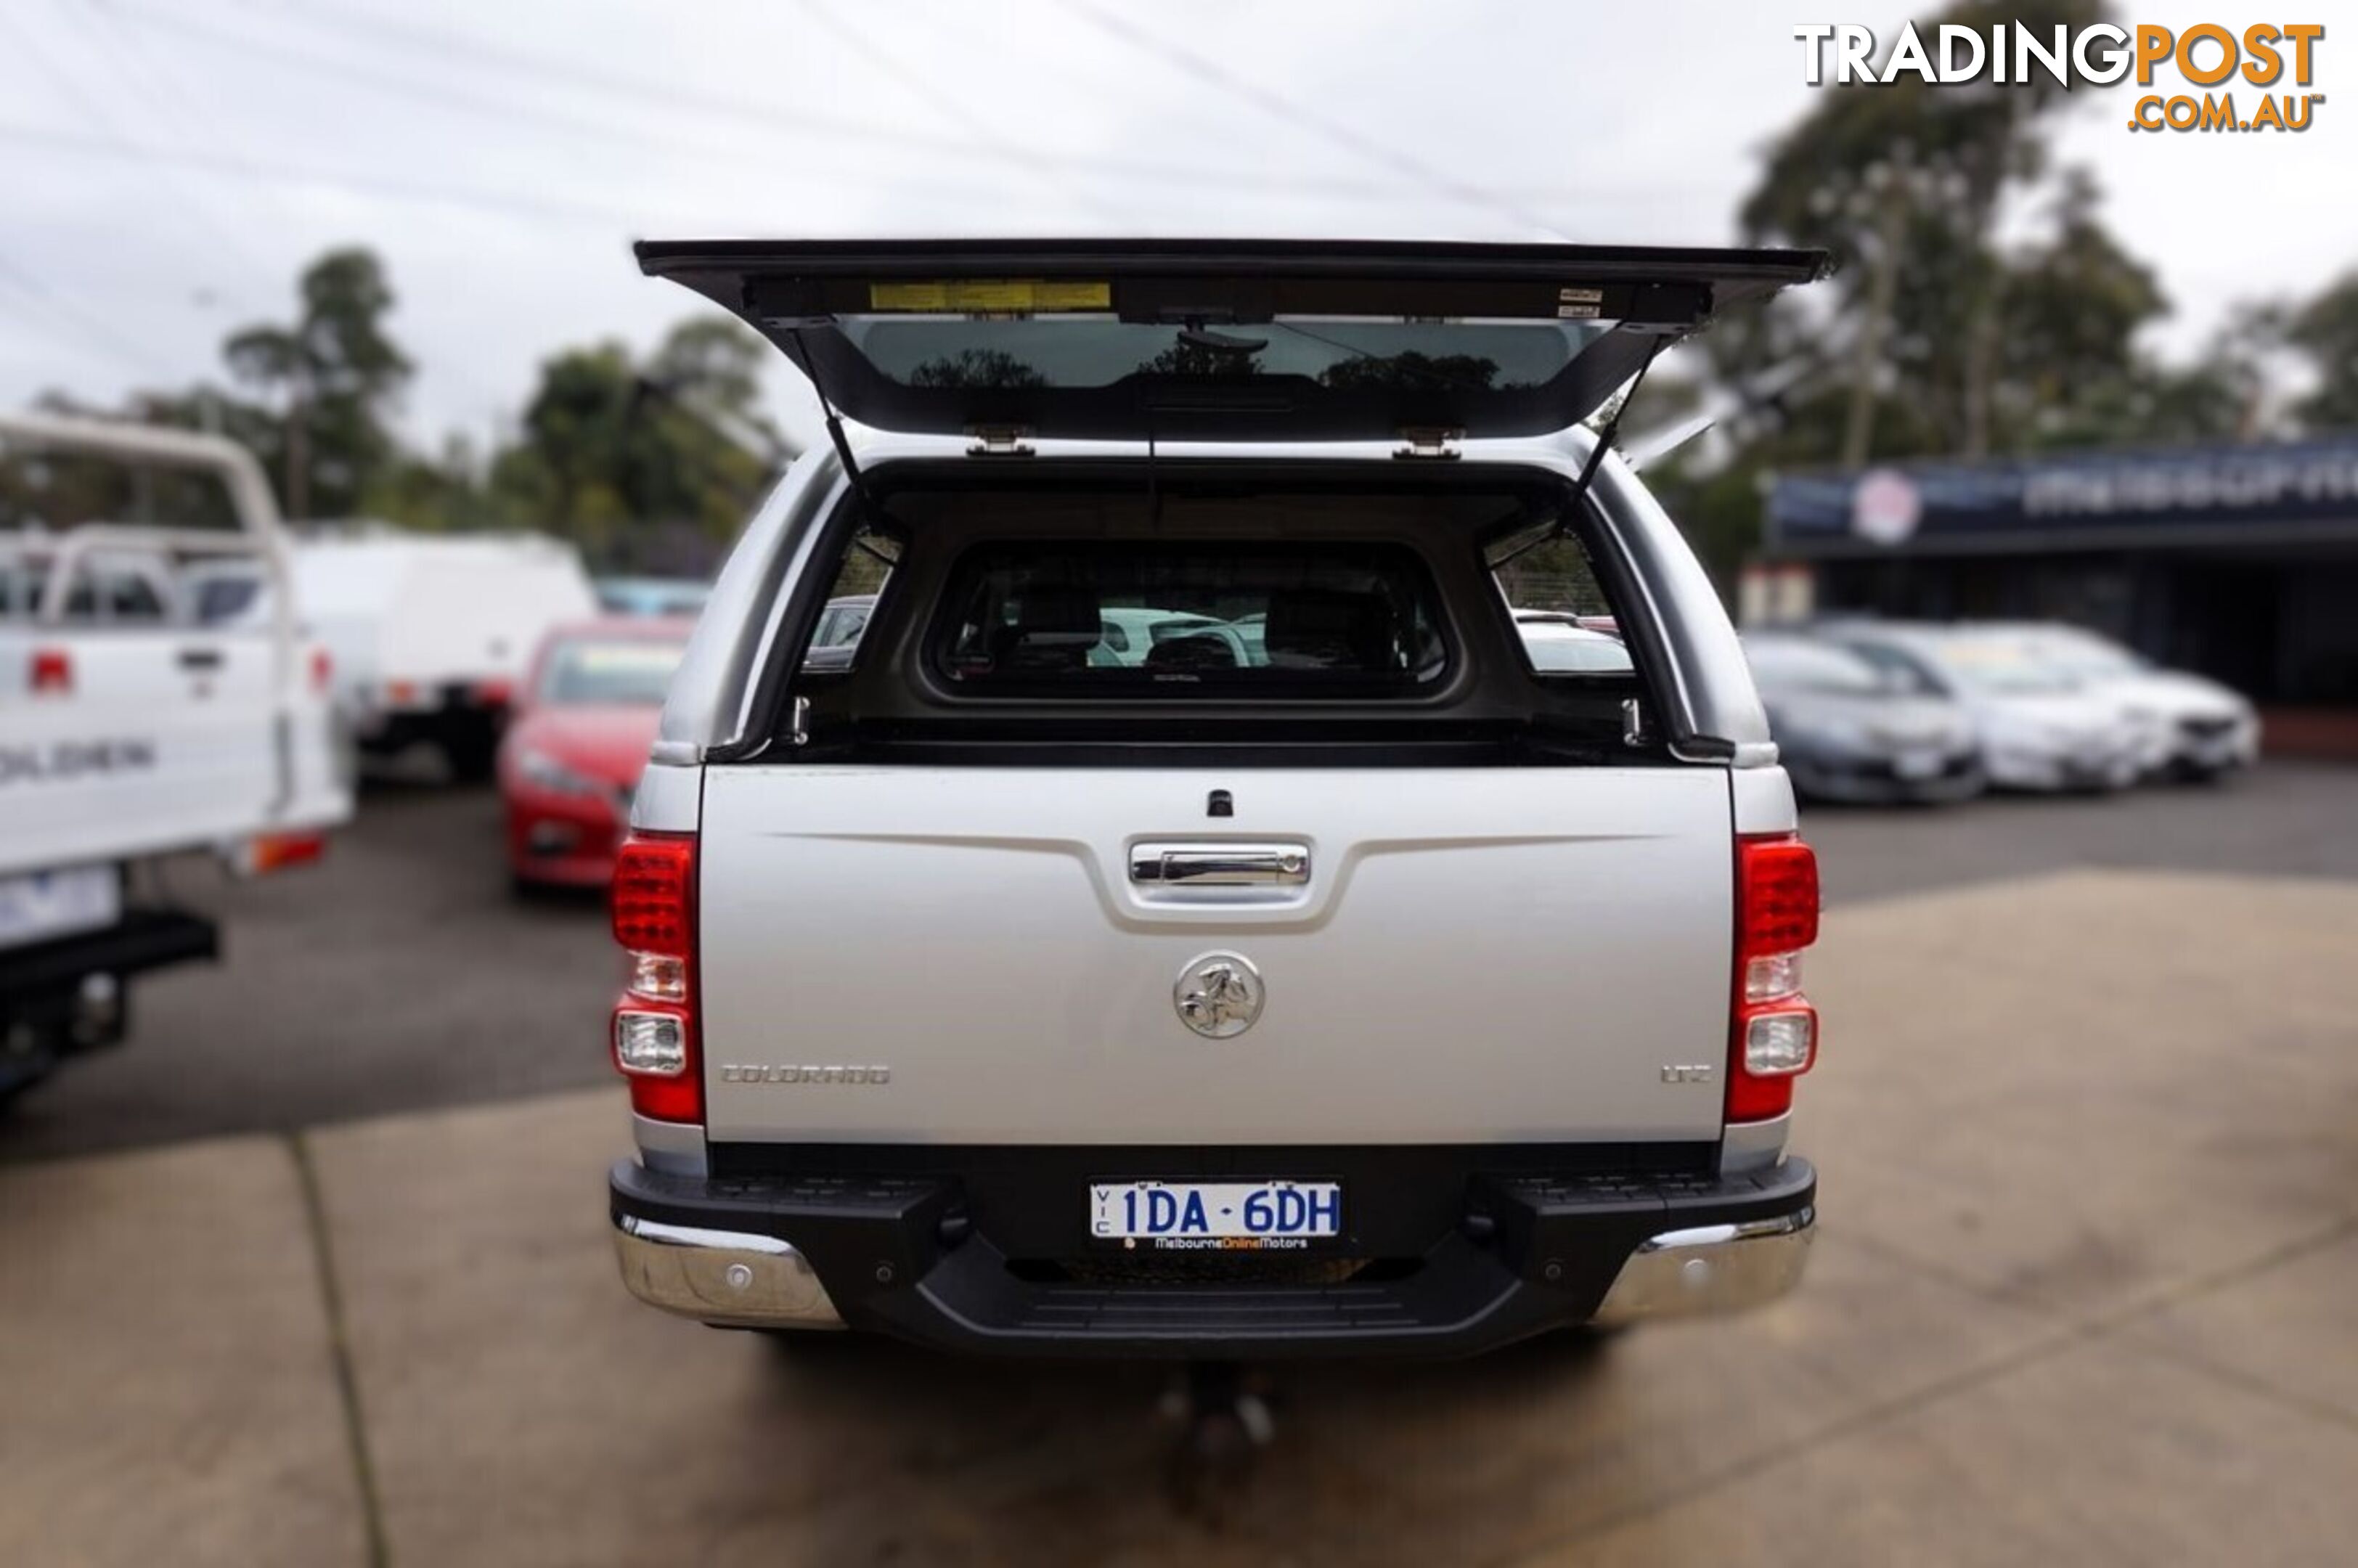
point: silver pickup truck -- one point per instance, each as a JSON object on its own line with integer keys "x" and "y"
{"x": 1189, "y": 921}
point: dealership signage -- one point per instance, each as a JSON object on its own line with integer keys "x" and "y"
{"x": 2206, "y": 491}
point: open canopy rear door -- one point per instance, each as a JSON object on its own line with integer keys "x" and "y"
{"x": 1219, "y": 339}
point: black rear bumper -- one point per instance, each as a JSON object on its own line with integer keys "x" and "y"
{"x": 143, "y": 939}
{"x": 43, "y": 1014}
{"x": 135, "y": 944}
{"x": 903, "y": 1255}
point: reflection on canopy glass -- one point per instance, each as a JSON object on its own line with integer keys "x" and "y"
{"x": 961, "y": 351}
{"x": 1151, "y": 617}
{"x": 1558, "y": 648}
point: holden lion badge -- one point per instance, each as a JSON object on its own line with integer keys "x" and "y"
{"x": 1219, "y": 995}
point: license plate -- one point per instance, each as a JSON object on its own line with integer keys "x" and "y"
{"x": 47, "y": 904}
{"x": 1216, "y": 1216}
{"x": 1916, "y": 764}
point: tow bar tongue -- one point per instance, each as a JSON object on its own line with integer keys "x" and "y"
{"x": 1222, "y": 1416}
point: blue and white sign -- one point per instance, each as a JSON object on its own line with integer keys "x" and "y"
{"x": 2200, "y": 489}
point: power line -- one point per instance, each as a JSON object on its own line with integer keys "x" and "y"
{"x": 498, "y": 203}
{"x": 446, "y": 47}
{"x": 95, "y": 329}
{"x": 56, "y": 308}
{"x": 103, "y": 119}
{"x": 192, "y": 108}
{"x": 506, "y": 110}
{"x": 943, "y": 102}
{"x": 1186, "y": 61}
{"x": 155, "y": 161}
{"x": 409, "y": 87}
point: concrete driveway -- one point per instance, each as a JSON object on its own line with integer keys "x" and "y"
{"x": 2090, "y": 1236}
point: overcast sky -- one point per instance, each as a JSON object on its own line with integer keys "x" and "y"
{"x": 167, "y": 165}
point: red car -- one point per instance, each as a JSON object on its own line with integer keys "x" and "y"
{"x": 577, "y": 745}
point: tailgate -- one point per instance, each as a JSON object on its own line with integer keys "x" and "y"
{"x": 1467, "y": 955}
{"x": 167, "y": 740}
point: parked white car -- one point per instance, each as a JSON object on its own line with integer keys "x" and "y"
{"x": 129, "y": 731}
{"x": 2188, "y": 724}
{"x": 1332, "y": 977}
{"x": 1849, "y": 729}
{"x": 2040, "y": 728}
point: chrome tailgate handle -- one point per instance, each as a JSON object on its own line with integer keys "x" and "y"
{"x": 1220, "y": 865}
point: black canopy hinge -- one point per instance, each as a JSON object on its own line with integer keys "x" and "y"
{"x": 1431, "y": 443}
{"x": 999, "y": 441}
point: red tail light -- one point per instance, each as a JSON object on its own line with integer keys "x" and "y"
{"x": 1777, "y": 879}
{"x": 323, "y": 669}
{"x": 653, "y": 1033}
{"x": 52, "y": 673}
{"x": 1775, "y": 1037}
{"x": 267, "y": 852}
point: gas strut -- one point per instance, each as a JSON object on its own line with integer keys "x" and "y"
{"x": 870, "y": 507}
{"x": 1605, "y": 437}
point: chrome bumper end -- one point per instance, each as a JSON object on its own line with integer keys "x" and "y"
{"x": 726, "y": 1277}
{"x": 1711, "y": 1269}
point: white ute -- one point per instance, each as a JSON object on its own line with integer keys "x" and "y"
{"x": 1187, "y": 920}
{"x": 130, "y": 731}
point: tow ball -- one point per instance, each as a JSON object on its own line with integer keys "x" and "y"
{"x": 1222, "y": 1418}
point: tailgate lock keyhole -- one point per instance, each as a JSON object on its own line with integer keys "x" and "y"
{"x": 1220, "y": 804}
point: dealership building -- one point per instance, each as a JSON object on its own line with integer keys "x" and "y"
{"x": 2238, "y": 562}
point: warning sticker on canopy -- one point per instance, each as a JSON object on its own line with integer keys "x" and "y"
{"x": 990, "y": 295}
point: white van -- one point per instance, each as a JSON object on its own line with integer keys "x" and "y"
{"x": 430, "y": 633}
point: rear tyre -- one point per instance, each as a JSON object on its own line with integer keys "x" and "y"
{"x": 471, "y": 757}
{"x": 23, "y": 1070}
